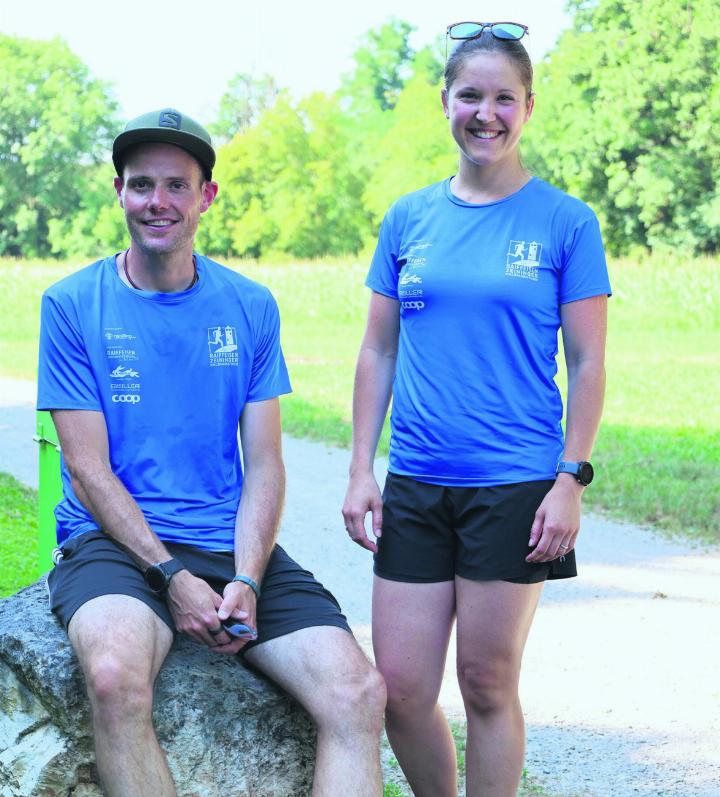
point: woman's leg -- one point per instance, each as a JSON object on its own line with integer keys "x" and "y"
{"x": 411, "y": 632}
{"x": 493, "y": 621}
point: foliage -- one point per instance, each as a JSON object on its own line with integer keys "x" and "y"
{"x": 55, "y": 120}
{"x": 626, "y": 119}
{"x": 18, "y": 535}
{"x": 243, "y": 103}
{"x": 287, "y": 185}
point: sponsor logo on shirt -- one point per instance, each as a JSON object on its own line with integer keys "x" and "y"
{"x": 523, "y": 259}
{"x": 416, "y": 305}
{"x": 222, "y": 345}
{"x": 406, "y": 279}
{"x": 124, "y": 373}
{"x": 125, "y": 398}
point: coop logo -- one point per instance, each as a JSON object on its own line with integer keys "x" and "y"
{"x": 125, "y": 398}
{"x": 222, "y": 345}
{"x": 412, "y": 305}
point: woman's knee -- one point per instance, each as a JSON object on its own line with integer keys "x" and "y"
{"x": 488, "y": 687}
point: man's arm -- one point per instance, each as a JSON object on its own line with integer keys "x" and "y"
{"x": 84, "y": 442}
{"x": 261, "y": 503}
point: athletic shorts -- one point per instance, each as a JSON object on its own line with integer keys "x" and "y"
{"x": 93, "y": 564}
{"x": 432, "y": 533}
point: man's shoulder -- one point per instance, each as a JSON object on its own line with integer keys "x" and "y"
{"x": 78, "y": 281}
{"x": 229, "y": 278}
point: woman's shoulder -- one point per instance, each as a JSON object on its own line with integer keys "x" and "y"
{"x": 418, "y": 201}
{"x": 553, "y": 198}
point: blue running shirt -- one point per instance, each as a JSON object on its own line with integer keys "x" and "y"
{"x": 171, "y": 372}
{"x": 480, "y": 288}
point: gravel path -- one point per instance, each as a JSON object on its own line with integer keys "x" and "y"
{"x": 620, "y": 685}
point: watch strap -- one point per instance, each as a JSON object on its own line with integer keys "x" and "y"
{"x": 250, "y": 582}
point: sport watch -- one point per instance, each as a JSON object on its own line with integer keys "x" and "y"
{"x": 158, "y": 576}
{"x": 582, "y": 471}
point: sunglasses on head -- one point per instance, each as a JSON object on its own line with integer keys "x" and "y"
{"x": 506, "y": 31}
{"x": 512, "y": 31}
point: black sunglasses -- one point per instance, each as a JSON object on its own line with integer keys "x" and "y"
{"x": 507, "y": 31}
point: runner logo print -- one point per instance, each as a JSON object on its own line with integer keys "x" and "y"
{"x": 523, "y": 260}
{"x": 222, "y": 345}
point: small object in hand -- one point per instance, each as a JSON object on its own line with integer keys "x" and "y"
{"x": 238, "y": 630}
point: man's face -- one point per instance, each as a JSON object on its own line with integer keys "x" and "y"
{"x": 163, "y": 193}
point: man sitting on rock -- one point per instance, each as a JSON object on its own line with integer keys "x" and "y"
{"x": 150, "y": 360}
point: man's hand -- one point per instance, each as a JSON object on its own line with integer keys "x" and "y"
{"x": 194, "y": 607}
{"x": 557, "y": 521}
{"x": 238, "y": 603}
{"x": 363, "y": 496}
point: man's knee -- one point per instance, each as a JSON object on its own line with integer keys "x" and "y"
{"x": 117, "y": 689}
{"x": 357, "y": 699}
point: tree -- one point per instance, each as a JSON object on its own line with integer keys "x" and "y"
{"x": 55, "y": 120}
{"x": 243, "y": 102}
{"x": 626, "y": 118}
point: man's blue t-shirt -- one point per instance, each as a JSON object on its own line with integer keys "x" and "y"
{"x": 171, "y": 372}
{"x": 480, "y": 289}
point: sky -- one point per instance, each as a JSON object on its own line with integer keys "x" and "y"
{"x": 183, "y": 54}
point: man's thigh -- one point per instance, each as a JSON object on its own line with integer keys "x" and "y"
{"x": 310, "y": 663}
{"x": 119, "y": 634}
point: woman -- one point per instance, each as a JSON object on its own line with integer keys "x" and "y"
{"x": 471, "y": 280}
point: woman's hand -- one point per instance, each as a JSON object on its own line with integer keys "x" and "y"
{"x": 363, "y": 496}
{"x": 557, "y": 521}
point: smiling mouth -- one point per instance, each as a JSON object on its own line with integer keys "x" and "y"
{"x": 158, "y": 224}
{"x": 485, "y": 135}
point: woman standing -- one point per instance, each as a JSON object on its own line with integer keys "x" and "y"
{"x": 471, "y": 280}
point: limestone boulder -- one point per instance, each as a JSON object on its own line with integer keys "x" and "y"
{"x": 226, "y": 730}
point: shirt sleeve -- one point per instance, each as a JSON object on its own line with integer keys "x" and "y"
{"x": 65, "y": 377}
{"x": 269, "y": 377}
{"x": 383, "y": 274}
{"x": 584, "y": 268}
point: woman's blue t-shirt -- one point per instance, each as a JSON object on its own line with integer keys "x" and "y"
{"x": 480, "y": 289}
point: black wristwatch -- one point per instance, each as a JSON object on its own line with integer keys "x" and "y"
{"x": 158, "y": 576}
{"x": 582, "y": 471}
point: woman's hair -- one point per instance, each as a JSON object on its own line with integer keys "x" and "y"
{"x": 487, "y": 43}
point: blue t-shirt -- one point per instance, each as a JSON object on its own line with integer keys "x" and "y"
{"x": 171, "y": 372}
{"x": 480, "y": 288}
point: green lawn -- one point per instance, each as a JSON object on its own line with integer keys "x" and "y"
{"x": 658, "y": 453}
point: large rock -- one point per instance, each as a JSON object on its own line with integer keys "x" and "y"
{"x": 226, "y": 730}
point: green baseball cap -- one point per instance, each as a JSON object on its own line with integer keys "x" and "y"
{"x": 166, "y": 127}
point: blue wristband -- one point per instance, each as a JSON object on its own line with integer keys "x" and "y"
{"x": 247, "y": 580}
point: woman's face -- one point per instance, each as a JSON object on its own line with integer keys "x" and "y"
{"x": 487, "y": 106}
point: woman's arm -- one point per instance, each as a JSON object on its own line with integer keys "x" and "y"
{"x": 374, "y": 376}
{"x": 557, "y": 521}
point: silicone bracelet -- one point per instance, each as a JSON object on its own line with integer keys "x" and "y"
{"x": 247, "y": 580}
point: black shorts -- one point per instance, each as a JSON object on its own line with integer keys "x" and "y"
{"x": 94, "y": 565}
{"x": 432, "y": 533}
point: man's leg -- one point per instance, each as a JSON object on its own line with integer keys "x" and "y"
{"x": 121, "y": 644}
{"x": 411, "y": 632}
{"x": 323, "y": 668}
{"x": 493, "y": 621}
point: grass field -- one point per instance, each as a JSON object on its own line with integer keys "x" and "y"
{"x": 658, "y": 453}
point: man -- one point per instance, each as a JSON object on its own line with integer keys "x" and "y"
{"x": 149, "y": 361}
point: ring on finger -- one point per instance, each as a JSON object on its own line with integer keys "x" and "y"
{"x": 563, "y": 547}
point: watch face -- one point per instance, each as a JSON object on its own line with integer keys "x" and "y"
{"x": 156, "y": 578}
{"x": 585, "y": 473}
